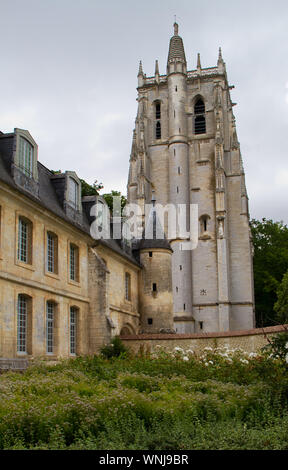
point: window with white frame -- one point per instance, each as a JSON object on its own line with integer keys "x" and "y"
{"x": 50, "y": 321}
{"x": 74, "y": 262}
{"x": 22, "y": 323}
{"x": 24, "y": 251}
{"x": 73, "y": 329}
{"x": 26, "y": 157}
{"x": 52, "y": 253}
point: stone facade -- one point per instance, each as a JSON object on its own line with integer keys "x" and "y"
{"x": 30, "y": 286}
{"x": 65, "y": 292}
{"x": 185, "y": 149}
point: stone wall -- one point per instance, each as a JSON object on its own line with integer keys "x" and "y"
{"x": 248, "y": 340}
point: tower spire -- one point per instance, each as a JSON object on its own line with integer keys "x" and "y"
{"x": 176, "y": 56}
{"x": 176, "y": 28}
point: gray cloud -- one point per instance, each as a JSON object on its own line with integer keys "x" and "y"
{"x": 69, "y": 75}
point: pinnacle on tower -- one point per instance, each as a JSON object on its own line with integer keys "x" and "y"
{"x": 140, "y": 72}
{"x": 220, "y": 58}
{"x": 141, "y": 76}
{"x": 156, "y": 68}
{"x": 198, "y": 62}
{"x": 157, "y": 71}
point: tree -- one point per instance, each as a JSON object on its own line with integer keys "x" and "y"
{"x": 270, "y": 241}
{"x": 281, "y": 306}
{"x": 109, "y": 199}
{"x": 90, "y": 190}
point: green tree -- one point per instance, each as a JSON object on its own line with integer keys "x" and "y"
{"x": 270, "y": 241}
{"x": 109, "y": 199}
{"x": 90, "y": 190}
{"x": 281, "y": 306}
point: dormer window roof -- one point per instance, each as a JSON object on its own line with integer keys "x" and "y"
{"x": 26, "y": 156}
{"x": 73, "y": 193}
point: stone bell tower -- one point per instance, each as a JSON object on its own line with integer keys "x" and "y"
{"x": 185, "y": 149}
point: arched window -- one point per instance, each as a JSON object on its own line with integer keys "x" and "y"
{"x": 200, "y": 119}
{"x": 158, "y": 110}
{"x": 50, "y": 327}
{"x": 158, "y": 130}
{"x": 73, "y": 262}
{"x": 25, "y": 231}
{"x": 158, "y": 122}
{"x": 74, "y": 312}
{"x": 52, "y": 253}
{"x": 24, "y": 324}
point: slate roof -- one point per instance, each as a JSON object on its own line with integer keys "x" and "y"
{"x": 49, "y": 200}
{"x": 176, "y": 49}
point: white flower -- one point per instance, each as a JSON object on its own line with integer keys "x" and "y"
{"x": 286, "y": 358}
{"x": 211, "y": 362}
{"x": 286, "y": 345}
{"x": 189, "y": 351}
{"x": 208, "y": 349}
{"x": 206, "y": 364}
{"x": 185, "y": 358}
{"x": 177, "y": 349}
{"x": 252, "y": 354}
{"x": 244, "y": 361}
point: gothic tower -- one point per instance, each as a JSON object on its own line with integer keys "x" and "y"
{"x": 185, "y": 149}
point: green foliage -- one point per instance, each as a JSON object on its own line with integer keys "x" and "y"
{"x": 278, "y": 346}
{"x": 163, "y": 402}
{"x": 90, "y": 190}
{"x": 109, "y": 199}
{"x": 281, "y": 306}
{"x": 115, "y": 349}
{"x": 270, "y": 240}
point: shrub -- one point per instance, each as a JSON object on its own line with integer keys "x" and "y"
{"x": 278, "y": 346}
{"x": 115, "y": 349}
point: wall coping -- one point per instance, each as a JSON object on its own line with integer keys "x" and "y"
{"x": 220, "y": 334}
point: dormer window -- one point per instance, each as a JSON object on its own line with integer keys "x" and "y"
{"x": 73, "y": 193}
{"x": 25, "y": 170}
{"x": 26, "y": 157}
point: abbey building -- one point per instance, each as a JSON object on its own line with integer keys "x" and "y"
{"x": 64, "y": 293}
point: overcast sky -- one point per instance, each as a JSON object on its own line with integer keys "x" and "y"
{"x": 69, "y": 76}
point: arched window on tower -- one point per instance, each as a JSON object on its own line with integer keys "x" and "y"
{"x": 158, "y": 130}
{"x": 157, "y": 118}
{"x": 158, "y": 110}
{"x": 200, "y": 119}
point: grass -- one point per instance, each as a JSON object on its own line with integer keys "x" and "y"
{"x": 220, "y": 400}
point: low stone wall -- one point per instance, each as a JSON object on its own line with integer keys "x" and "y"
{"x": 248, "y": 340}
